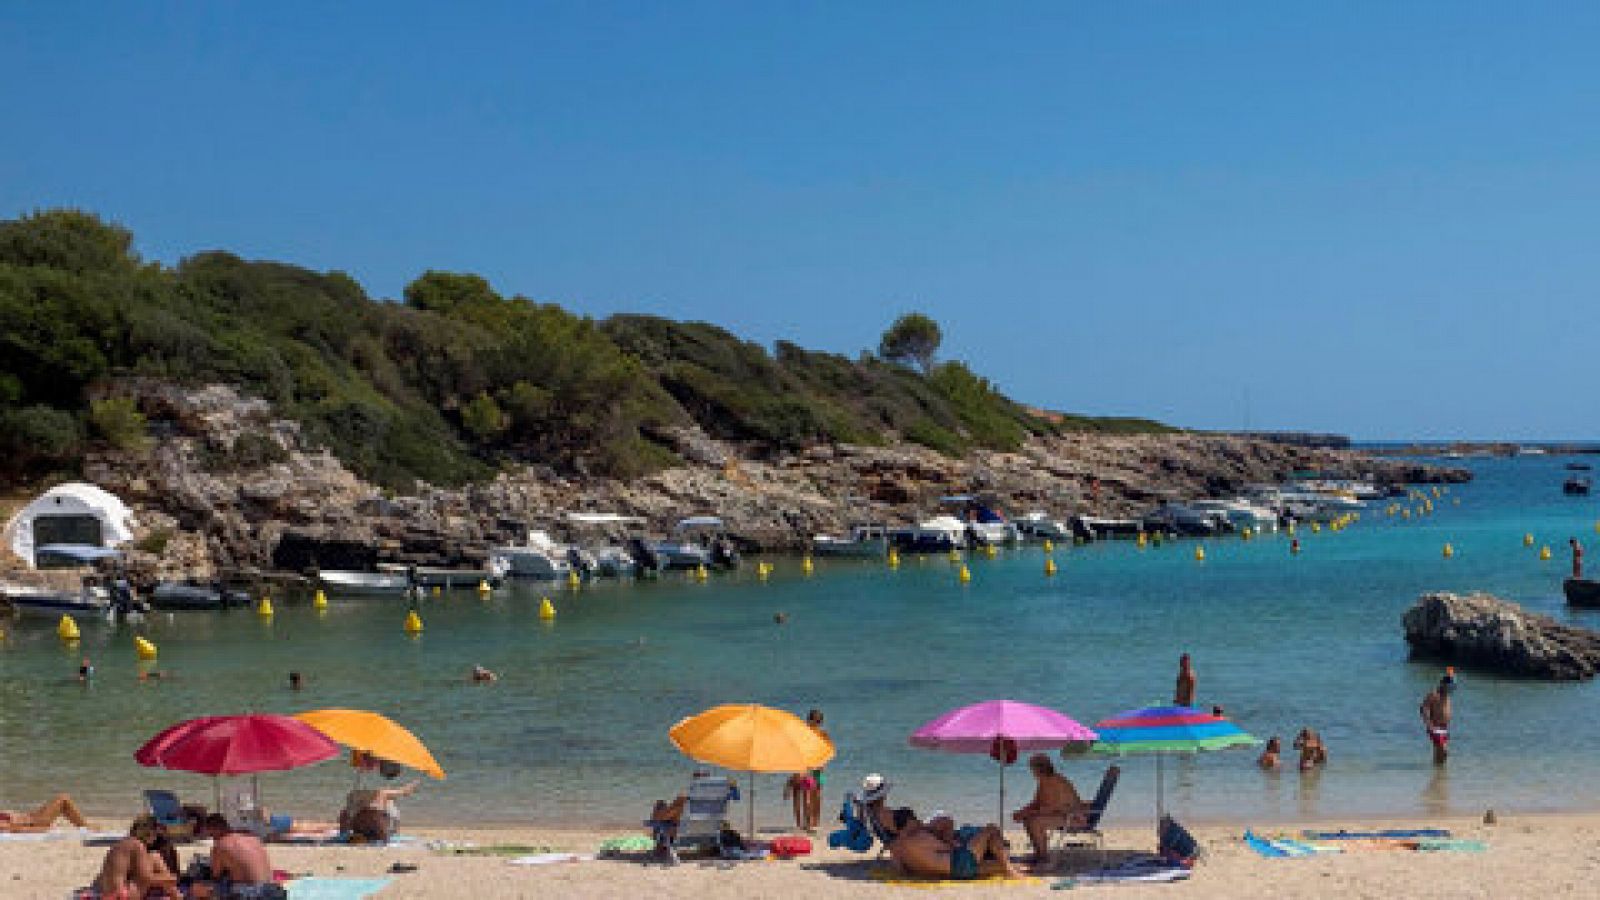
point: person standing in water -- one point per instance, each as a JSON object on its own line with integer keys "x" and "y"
{"x": 1183, "y": 695}
{"x": 1577, "y": 557}
{"x": 1435, "y": 711}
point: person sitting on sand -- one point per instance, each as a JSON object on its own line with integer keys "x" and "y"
{"x": 480, "y": 675}
{"x": 42, "y": 819}
{"x": 132, "y": 868}
{"x": 940, "y": 850}
{"x": 370, "y": 814}
{"x": 1313, "y": 752}
{"x": 1269, "y": 759}
{"x": 1055, "y": 804}
{"x": 240, "y": 868}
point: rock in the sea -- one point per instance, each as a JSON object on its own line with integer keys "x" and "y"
{"x": 1486, "y": 632}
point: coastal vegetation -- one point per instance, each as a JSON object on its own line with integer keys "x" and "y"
{"x": 447, "y": 385}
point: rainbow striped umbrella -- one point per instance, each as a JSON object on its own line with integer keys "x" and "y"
{"x": 1167, "y": 729}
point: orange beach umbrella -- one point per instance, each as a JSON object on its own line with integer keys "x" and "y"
{"x": 749, "y": 737}
{"x": 374, "y": 735}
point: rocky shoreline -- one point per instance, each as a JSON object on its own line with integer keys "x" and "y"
{"x": 225, "y": 486}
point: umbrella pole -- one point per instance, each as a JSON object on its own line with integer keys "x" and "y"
{"x": 752, "y": 830}
{"x": 1160, "y": 780}
{"x": 1000, "y": 817}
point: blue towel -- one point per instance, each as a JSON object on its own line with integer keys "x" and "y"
{"x": 335, "y": 888}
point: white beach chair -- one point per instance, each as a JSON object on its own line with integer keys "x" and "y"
{"x": 700, "y": 826}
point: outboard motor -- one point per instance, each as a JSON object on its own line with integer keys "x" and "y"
{"x": 644, "y": 555}
{"x": 724, "y": 554}
{"x": 581, "y": 562}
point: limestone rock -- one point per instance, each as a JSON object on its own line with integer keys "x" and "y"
{"x": 1486, "y": 632}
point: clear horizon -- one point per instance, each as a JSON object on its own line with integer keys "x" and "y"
{"x": 1363, "y": 219}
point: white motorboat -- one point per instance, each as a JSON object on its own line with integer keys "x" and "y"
{"x": 492, "y": 573}
{"x": 984, "y": 524}
{"x": 604, "y": 555}
{"x": 697, "y": 541}
{"x": 1181, "y": 518}
{"x": 864, "y": 541}
{"x": 1099, "y": 528}
{"x": 1241, "y": 513}
{"x": 939, "y": 534}
{"x": 538, "y": 557}
{"x": 30, "y": 601}
{"x": 348, "y": 582}
{"x": 1041, "y": 527}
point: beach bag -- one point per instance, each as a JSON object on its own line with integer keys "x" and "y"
{"x": 790, "y": 846}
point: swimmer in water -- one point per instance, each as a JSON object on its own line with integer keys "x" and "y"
{"x": 480, "y": 675}
{"x": 295, "y": 683}
{"x": 85, "y": 671}
{"x": 780, "y": 618}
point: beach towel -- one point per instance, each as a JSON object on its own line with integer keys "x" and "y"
{"x": 1142, "y": 869}
{"x": 313, "y": 888}
{"x": 1451, "y": 845}
{"x": 545, "y": 859}
{"x": 888, "y": 875}
{"x": 335, "y": 839}
{"x": 28, "y": 837}
{"x": 1286, "y": 848}
{"x": 623, "y": 846}
{"x": 1389, "y": 834}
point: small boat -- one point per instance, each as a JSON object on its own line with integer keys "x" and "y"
{"x": 985, "y": 525}
{"x": 1241, "y": 513}
{"x": 1578, "y": 467}
{"x": 1040, "y": 527}
{"x": 347, "y": 582}
{"x": 607, "y": 554}
{"x": 183, "y": 596}
{"x": 1099, "y": 528}
{"x": 29, "y": 601}
{"x": 1582, "y": 592}
{"x": 538, "y": 557}
{"x": 432, "y": 576}
{"x": 1576, "y": 486}
{"x": 698, "y": 541}
{"x": 864, "y": 541}
{"x": 940, "y": 534}
{"x": 1179, "y": 518}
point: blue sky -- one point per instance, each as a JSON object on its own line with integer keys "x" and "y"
{"x": 1373, "y": 218}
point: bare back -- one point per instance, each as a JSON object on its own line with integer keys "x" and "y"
{"x": 118, "y": 868}
{"x": 1436, "y": 710}
{"x": 1056, "y": 795}
{"x": 241, "y": 858}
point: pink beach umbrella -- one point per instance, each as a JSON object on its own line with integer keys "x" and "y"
{"x": 1000, "y": 728}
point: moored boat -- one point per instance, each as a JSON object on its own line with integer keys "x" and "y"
{"x": 347, "y": 582}
{"x": 1582, "y": 592}
{"x": 1576, "y": 486}
{"x": 184, "y": 596}
{"x": 939, "y": 534}
{"x": 863, "y": 541}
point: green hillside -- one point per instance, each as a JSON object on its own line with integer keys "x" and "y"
{"x": 445, "y": 386}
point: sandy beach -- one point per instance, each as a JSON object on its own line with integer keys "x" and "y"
{"x": 1527, "y": 856}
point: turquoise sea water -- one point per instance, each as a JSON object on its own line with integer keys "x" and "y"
{"x": 575, "y": 731}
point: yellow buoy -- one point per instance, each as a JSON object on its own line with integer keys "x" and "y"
{"x": 700, "y": 573}
{"x": 413, "y": 623}
{"x": 1544, "y": 552}
{"x": 319, "y": 600}
{"x": 1199, "y": 554}
{"x": 1141, "y": 540}
{"x": 483, "y": 587}
{"x": 1449, "y": 551}
{"x": 894, "y": 559}
{"x": 1527, "y": 540}
{"x": 761, "y": 571}
{"x": 1049, "y": 566}
{"x": 572, "y": 578}
{"x": 989, "y": 551}
{"x": 955, "y": 555}
{"x": 806, "y": 565}
{"x": 1316, "y": 527}
{"x": 144, "y": 648}
{"x": 1405, "y": 513}
{"x": 264, "y": 608}
{"x": 1246, "y": 533}
{"x": 964, "y": 574}
{"x": 1289, "y": 529}
{"x": 1049, "y": 546}
{"x": 547, "y": 610}
{"x": 67, "y": 629}
{"x": 436, "y": 590}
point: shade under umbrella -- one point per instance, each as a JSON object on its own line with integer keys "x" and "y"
{"x": 990, "y": 726}
{"x": 237, "y": 745}
{"x": 374, "y": 735}
{"x": 749, "y": 737}
{"x": 1161, "y": 730}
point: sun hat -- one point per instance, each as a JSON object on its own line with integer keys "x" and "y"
{"x": 874, "y": 787}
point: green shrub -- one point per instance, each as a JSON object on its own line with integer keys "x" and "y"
{"x": 118, "y": 422}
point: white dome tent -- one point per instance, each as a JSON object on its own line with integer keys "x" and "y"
{"x": 74, "y": 513}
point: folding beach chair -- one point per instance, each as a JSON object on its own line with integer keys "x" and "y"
{"x": 700, "y": 825}
{"x": 1089, "y": 833}
{"x": 169, "y": 813}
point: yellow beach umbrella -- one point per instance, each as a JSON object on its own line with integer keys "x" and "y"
{"x": 374, "y": 735}
{"x": 749, "y": 737}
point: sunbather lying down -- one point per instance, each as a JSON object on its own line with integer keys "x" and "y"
{"x": 58, "y": 807}
{"x": 941, "y": 850}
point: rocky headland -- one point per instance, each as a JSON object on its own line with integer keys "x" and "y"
{"x": 224, "y": 486}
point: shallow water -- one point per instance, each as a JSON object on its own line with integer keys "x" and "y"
{"x": 575, "y": 731}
